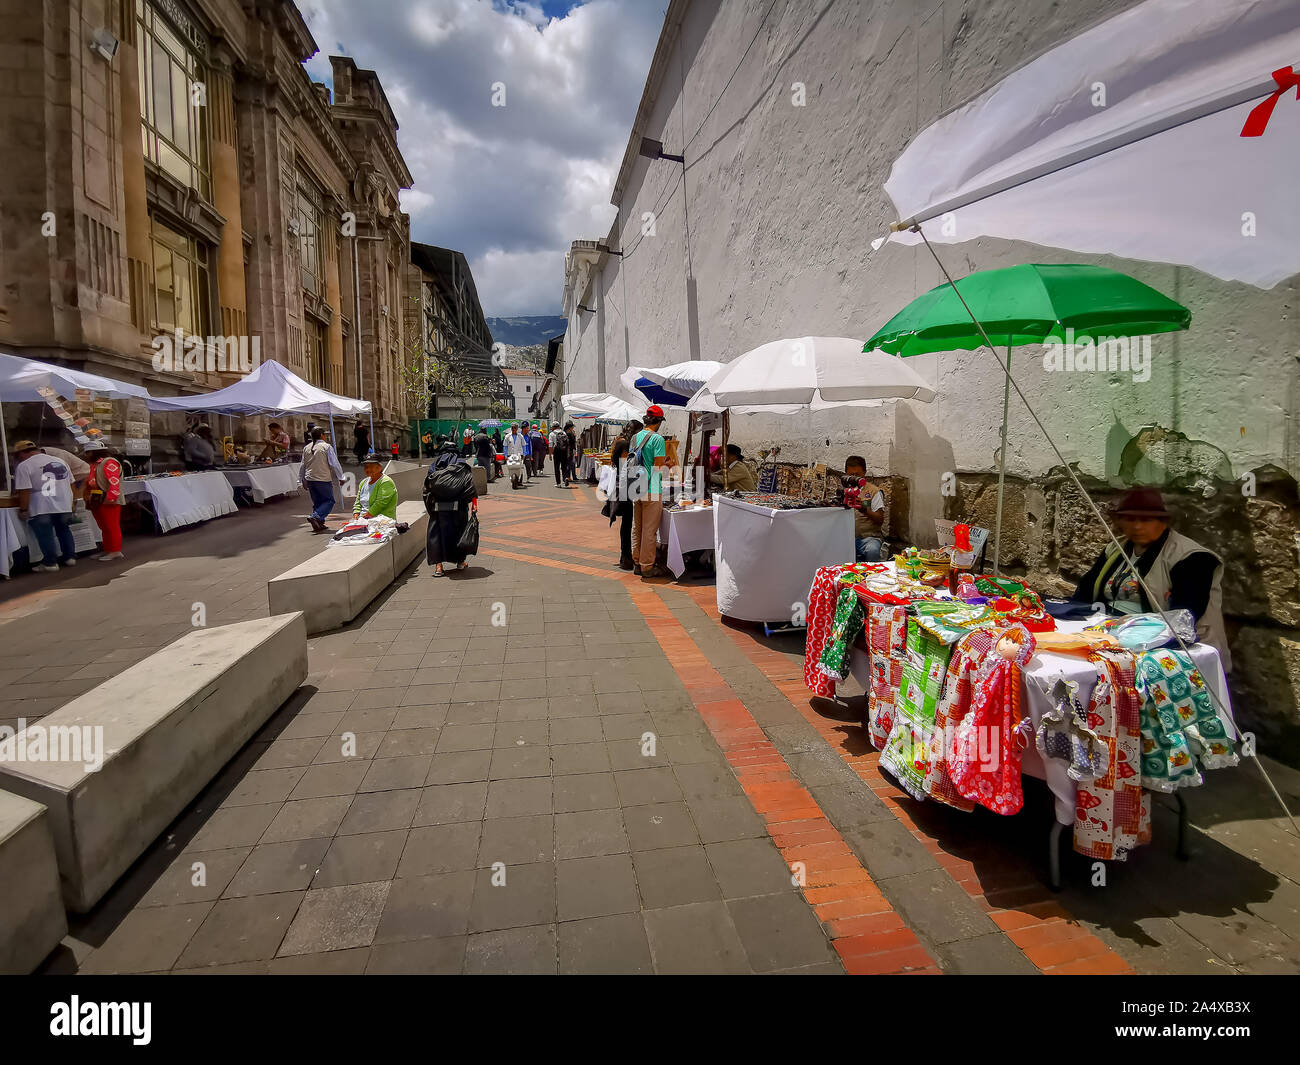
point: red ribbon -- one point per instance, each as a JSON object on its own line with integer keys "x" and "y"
{"x": 1257, "y": 120}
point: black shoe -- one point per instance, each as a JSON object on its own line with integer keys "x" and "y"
{"x": 316, "y": 524}
{"x": 626, "y": 563}
{"x": 636, "y": 568}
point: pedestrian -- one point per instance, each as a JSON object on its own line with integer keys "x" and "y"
{"x": 79, "y": 467}
{"x": 525, "y": 431}
{"x": 376, "y": 494}
{"x": 360, "y": 441}
{"x": 647, "y": 454}
{"x": 104, "y": 498}
{"x": 619, "y": 505}
{"x": 540, "y": 447}
{"x": 560, "y": 452}
{"x": 483, "y": 453}
{"x": 44, "y": 485}
{"x": 571, "y": 474}
{"x": 197, "y": 448}
{"x": 396, "y": 453}
{"x": 319, "y": 473}
{"x": 277, "y": 442}
{"x": 448, "y": 495}
{"x": 498, "y": 449}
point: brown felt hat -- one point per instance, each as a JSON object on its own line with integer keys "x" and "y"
{"x": 1140, "y": 503}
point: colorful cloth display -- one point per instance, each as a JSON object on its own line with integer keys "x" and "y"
{"x": 955, "y": 703}
{"x": 1182, "y": 732}
{"x": 887, "y": 641}
{"x": 847, "y": 625}
{"x": 984, "y": 762}
{"x": 1113, "y": 812}
{"x": 1063, "y": 734}
{"x": 906, "y": 754}
{"x": 820, "y": 617}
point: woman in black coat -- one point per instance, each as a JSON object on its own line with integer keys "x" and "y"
{"x": 448, "y": 493}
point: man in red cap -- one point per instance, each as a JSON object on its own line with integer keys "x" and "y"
{"x": 1180, "y": 572}
{"x": 646, "y": 455}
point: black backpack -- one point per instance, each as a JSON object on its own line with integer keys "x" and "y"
{"x": 448, "y": 481}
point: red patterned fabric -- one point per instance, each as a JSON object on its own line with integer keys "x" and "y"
{"x": 958, "y": 695}
{"x": 821, "y": 614}
{"x": 887, "y": 641}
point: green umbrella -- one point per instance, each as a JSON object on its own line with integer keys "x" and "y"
{"x": 1028, "y": 304}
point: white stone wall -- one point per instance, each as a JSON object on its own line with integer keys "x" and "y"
{"x": 776, "y": 218}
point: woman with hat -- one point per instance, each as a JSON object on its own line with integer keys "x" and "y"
{"x": 376, "y": 494}
{"x": 103, "y": 495}
{"x": 1180, "y": 572}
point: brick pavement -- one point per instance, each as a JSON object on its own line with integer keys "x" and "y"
{"x": 641, "y": 777}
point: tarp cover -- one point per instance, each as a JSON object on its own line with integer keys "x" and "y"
{"x": 20, "y": 378}
{"x": 269, "y": 389}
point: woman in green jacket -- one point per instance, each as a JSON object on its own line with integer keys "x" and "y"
{"x": 376, "y": 495}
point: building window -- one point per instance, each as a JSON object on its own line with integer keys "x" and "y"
{"x": 310, "y": 233}
{"x": 314, "y": 358}
{"x": 179, "y": 297}
{"x": 173, "y": 128}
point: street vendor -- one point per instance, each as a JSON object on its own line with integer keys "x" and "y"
{"x": 277, "y": 442}
{"x": 868, "y": 516}
{"x": 1180, "y": 572}
{"x": 376, "y": 494}
{"x": 198, "y": 449}
{"x": 737, "y": 475}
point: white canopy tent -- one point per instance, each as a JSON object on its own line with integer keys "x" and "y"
{"x": 679, "y": 381}
{"x": 1165, "y": 133}
{"x": 271, "y": 389}
{"x": 20, "y": 378}
{"x": 600, "y": 407}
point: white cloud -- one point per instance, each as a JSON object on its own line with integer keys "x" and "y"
{"x": 509, "y": 186}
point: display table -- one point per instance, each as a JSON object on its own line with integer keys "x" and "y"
{"x": 685, "y": 529}
{"x": 766, "y": 559}
{"x": 263, "y": 482}
{"x": 1042, "y": 672}
{"x": 184, "y": 500}
{"x": 587, "y": 467}
{"x": 15, "y": 534}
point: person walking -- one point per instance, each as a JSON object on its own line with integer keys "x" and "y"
{"x": 44, "y": 486}
{"x": 648, "y": 455}
{"x": 498, "y": 449}
{"x": 360, "y": 442}
{"x": 483, "y": 453}
{"x": 560, "y": 456}
{"x": 540, "y": 447}
{"x": 448, "y": 495}
{"x": 571, "y": 472}
{"x": 376, "y": 494}
{"x": 103, "y": 495}
{"x": 525, "y": 431}
{"x": 319, "y": 473}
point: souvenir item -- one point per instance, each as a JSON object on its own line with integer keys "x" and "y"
{"x": 1146, "y": 632}
{"x": 987, "y": 745}
{"x": 1113, "y": 812}
{"x": 847, "y": 626}
{"x": 820, "y": 617}
{"x": 906, "y": 755}
{"x": 1063, "y": 734}
{"x": 887, "y": 644}
{"x": 1182, "y": 732}
{"x": 958, "y": 697}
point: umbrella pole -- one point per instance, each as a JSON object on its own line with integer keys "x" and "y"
{"x": 1002, "y": 464}
{"x": 4, "y": 444}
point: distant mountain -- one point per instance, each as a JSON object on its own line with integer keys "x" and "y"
{"x": 520, "y": 332}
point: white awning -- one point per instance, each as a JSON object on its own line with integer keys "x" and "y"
{"x": 20, "y": 378}
{"x": 1127, "y": 140}
{"x": 269, "y": 389}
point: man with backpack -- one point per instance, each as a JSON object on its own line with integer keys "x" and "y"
{"x": 646, "y": 456}
{"x": 448, "y": 495}
{"x": 537, "y": 440}
{"x": 525, "y": 430}
{"x": 560, "y": 453}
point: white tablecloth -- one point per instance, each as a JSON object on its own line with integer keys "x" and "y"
{"x": 190, "y": 498}
{"x": 15, "y": 534}
{"x": 766, "y": 559}
{"x": 685, "y": 529}
{"x": 1042, "y": 672}
{"x": 587, "y": 467}
{"x": 265, "y": 481}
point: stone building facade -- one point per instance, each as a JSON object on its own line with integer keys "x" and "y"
{"x": 788, "y": 117}
{"x": 171, "y": 165}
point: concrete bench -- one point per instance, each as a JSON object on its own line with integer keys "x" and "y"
{"x": 333, "y": 587}
{"x": 408, "y": 478}
{"x": 164, "y": 728}
{"x": 32, "y": 920}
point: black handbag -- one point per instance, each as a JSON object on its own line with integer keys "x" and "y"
{"x": 468, "y": 542}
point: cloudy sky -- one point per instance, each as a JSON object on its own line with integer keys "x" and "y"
{"x": 509, "y": 186}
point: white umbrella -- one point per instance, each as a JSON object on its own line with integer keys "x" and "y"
{"x": 809, "y": 373}
{"x": 1125, "y": 141}
{"x": 682, "y": 379}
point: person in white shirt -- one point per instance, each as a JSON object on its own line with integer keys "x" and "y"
{"x": 44, "y": 485}
{"x": 320, "y": 470}
{"x": 516, "y": 442}
{"x": 79, "y": 467}
{"x": 559, "y": 442}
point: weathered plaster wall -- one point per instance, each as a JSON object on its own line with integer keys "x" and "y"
{"x": 770, "y": 222}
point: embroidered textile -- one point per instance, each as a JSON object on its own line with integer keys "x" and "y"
{"x": 887, "y": 640}
{"x": 906, "y": 755}
{"x": 1182, "y": 732}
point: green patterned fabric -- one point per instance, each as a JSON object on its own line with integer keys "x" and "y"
{"x": 1182, "y": 732}
{"x": 850, "y": 619}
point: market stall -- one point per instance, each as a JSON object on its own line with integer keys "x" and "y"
{"x": 182, "y": 499}
{"x": 15, "y": 534}
{"x": 684, "y": 528}
{"x": 263, "y": 482}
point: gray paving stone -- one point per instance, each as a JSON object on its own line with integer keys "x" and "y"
{"x": 422, "y": 906}
{"x": 588, "y": 833}
{"x": 272, "y": 868}
{"x": 241, "y": 930}
{"x": 708, "y": 781}
{"x": 988, "y": 955}
{"x": 444, "y": 804}
{"x": 696, "y": 939}
{"x": 149, "y": 939}
{"x": 337, "y": 778}
{"x": 263, "y": 786}
{"x": 308, "y": 819}
{"x": 595, "y": 887}
{"x": 780, "y": 932}
{"x": 465, "y": 738}
{"x": 887, "y": 849}
{"x": 418, "y": 957}
{"x": 571, "y": 758}
{"x": 513, "y": 951}
{"x": 604, "y": 946}
{"x": 724, "y": 819}
{"x": 177, "y": 885}
{"x": 575, "y": 730}
{"x": 440, "y": 849}
{"x": 234, "y": 827}
{"x": 747, "y": 867}
{"x": 396, "y": 774}
{"x": 936, "y": 907}
{"x": 584, "y": 791}
{"x": 674, "y": 876}
{"x": 527, "y": 897}
{"x": 336, "y": 918}
{"x": 637, "y": 787}
{"x": 350, "y": 962}
{"x": 517, "y": 840}
{"x": 380, "y": 811}
{"x": 519, "y": 796}
{"x": 666, "y": 824}
{"x": 361, "y": 859}
{"x": 513, "y": 762}
{"x": 406, "y": 742}
{"x": 459, "y": 767}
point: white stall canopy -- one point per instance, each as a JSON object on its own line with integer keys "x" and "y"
{"x": 269, "y": 389}
{"x": 20, "y": 378}
{"x": 1170, "y": 133}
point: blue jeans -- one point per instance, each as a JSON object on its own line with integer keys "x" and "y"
{"x": 48, "y": 527}
{"x": 322, "y": 498}
{"x": 870, "y": 548}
